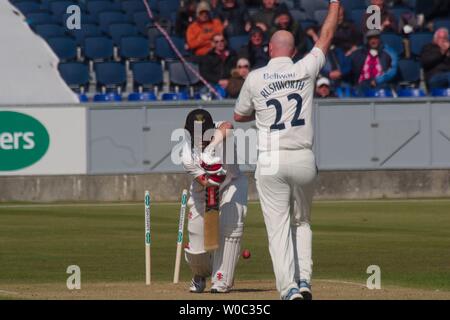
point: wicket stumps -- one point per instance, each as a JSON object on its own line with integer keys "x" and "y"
{"x": 176, "y": 275}
{"x": 147, "y": 239}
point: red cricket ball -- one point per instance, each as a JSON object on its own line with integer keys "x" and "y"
{"x": 246, "y": 254}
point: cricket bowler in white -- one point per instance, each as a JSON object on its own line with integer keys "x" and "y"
{"x": 280, "y": 98}
{"x": 233, "y": 188}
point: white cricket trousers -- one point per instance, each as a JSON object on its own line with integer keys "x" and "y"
{"x": 286, "y": 196}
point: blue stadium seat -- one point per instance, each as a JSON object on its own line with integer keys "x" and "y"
{"x": 119, "y": 30}
{"x": 134, "y": 47}
{"x": 88, "y": 30}
{"x": 180, "y": 75}
{"x": 75, "y": 74}
{"x": 58, "y": 8}
{"x": 107, "y": 97}
{"x": 357, "y": 16}
{"x": 298, "y": 15}
{"x": 307, "y": 23}
{"x": 64, "y": 47}
{"x": 444, "y": 92}
{"x": 346, "y": 92}
{"x": 39, "y": 18}
{"x": 147, "y": 74}
{"x": 142, "y": 21}
{"x": 378, "y": 93}
{"x": 441, "y": 23}
{"x": 98, "y": 48}
{"x": 132, "y": 6}
{"x": 95, "y": 7}
{"x": 163, "y": 49}
{"x": 83, "y": 98}
{"x": 110, "y": 75}
{"x": 320, "y": 16}
{"x": 411, "y": 92}
{"x": 49, "y": 30}
{"x": 418, "y": 41}
{"x": 394, "y": 41}
{"x": 105, "y": 19}
{"x": 350, "y": 5}
{"x": 409, "y": 71}
{"x": 237, "y": 42}
{"x": 166, "y": 7}
{"x": 175, "y": 96}
{"x": 399, "y": 11}
{"x": 28, "y": 7}
{"x": 144, "y": 96}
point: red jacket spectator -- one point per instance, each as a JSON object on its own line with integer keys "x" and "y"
{"x": 200, "y": 33}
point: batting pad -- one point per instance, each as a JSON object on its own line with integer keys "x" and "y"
{"x": 227, "y": 256}
{"x": 199, "y": 262}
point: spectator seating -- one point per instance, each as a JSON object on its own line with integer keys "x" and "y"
{"x": 394, "y": 41}
{"x": 440, "y": 92}
{"x": 442, "y": 23}
{"x": 28, "y": 7}
{"x": 134, "y": 47}
{"x": 418, "y": 41}
{"x": 96, "y": 7}
{"x": 88, "y": 30}
{"x": 378, "y": 93}
{"x": 119, "y": 30}
{"x": 357, "y": 16}
{"x": 98, "y": 48}
{"x": 105, "y": 19}
{"x": 409, "y": 72}
{"x": 147, "y": 75}
{"x": 167, "y": 7}
{"x": 399, "y": 11}
{"x": 175, "y": 96}
{"x": 411, "y": 92}
{"x": 237, "y": 42}
{"x": 307, "y": 23}
{"x": 164, "y": 51}
{"x": 181, "y": 75}
{"x": 110, "y": 75}
{"x": 49, "y": 30}
{"x": 64, "y": 47}
{"x": 76, "y": 75}
{"x": 320, "y": 16}
{"x": 132, "y": 6}
{"x": 39, "y": 18}
{"x": 107, "y": 97}
{"x": 142, "y": 96}
{"x": 58, "y": 8}
{"x": 142, "y": 21}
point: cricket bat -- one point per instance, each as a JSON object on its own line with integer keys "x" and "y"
{"x": 211, "y": 219}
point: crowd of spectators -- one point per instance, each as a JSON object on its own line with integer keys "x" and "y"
{"x": 358, "y": 59}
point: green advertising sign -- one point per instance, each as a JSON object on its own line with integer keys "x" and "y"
{"x": 23, "y": 141}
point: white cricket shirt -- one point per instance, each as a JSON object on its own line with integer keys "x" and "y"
{"x": 282, "y": 93}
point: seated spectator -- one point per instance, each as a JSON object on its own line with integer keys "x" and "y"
{"x": 284, "y": 21}
{"x": 216, "y": 66}
{"x": 235, "y": 18}
{"x": 347, "y": 37}
{"x": 373, "y": 65}
{"x": 264, "y": 17}
{"x": 323, "y": 89}
{"x": 388, "y": 22}
{"x": 435, "y": 59}
{"x": 185, "y": 16}
{"x": 238, "y": 76}
{"x": 200, "y": 32}
{"x": 257, "y": 50}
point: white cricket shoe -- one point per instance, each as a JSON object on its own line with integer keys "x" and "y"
{"x": 293, "y": 294}
{"x": 305, "y": 289}
{"x": 198, "y": 284}
{"x": 219, "y": 287}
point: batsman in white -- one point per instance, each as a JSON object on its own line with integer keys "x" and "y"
{"x": 280, "y": 98}
{"x": 233, "y": 186}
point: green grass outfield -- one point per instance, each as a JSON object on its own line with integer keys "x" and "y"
{"x": 409, "y": 240}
